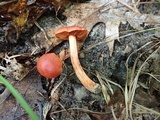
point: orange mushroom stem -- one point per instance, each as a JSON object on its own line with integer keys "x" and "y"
{"x": 74, "y": 33}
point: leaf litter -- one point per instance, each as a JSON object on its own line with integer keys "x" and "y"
{"x": 113, "y": 14}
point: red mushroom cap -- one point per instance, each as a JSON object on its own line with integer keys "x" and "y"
{"x": 64, "y": 32}
{"x": 49, "y": 65}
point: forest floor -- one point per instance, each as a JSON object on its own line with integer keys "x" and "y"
{"x": 121, "y": 53}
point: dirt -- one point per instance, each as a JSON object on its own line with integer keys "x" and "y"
{"x": 71, "y": 100}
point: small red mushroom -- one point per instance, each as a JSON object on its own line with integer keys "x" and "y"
{"x": 49, "y": 65}
{"x": 74, "y": 33}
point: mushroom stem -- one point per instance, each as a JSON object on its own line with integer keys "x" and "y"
{"x": 85, "y": 80}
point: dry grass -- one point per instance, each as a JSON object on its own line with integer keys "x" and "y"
{"x": 132, "y": 79}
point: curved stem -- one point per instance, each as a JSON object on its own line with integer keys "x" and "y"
{"x": 85, "y": 80}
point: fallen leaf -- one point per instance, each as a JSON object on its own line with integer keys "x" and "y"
{"x": 145, "y": 99}
{"x": 4, "y": 95}
{"x": 16, "y": 27}
{"x": 117, "y": 97}
{"x": 17, "y": 7}
{"x": 14, "y": 69}
{"x": 20, "y": 21}
{"x": 59, "y": 4}
{"x": 40, "y": 42}
{"x": 112, "y": 33}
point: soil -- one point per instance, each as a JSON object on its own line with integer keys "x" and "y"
{"x": 71, "y": 100}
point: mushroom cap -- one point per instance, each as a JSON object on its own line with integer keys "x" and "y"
{"x": 49, "y": 65}
{"x": 64, "y": 32}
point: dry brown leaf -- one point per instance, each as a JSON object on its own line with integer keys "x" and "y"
{"x": 16, "y": 27}
{"x": 100, "y": 117}
{"x": 59, "y": 4}
{"x": 145, "y": 99}
{"x": 80, "y": 12}
{"x": 4, "y": 95}
{"x": 18, "y": 6}
{"x": 40, "y": 41}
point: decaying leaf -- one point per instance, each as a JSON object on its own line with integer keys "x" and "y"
{"x": 117, "y": 97}
{"x": 4, "y": 6}
{"x": 80, "y": 12}
{"x": 145, "y": 99}
{"x": 19, "y": 22}
{"x": 13, "y": 69}
{"x": 23, "y": 22}
{"x": 112, "y": 33}
{"x": 40, "y": 41}
{"x": 34, "y": 14}
{"x": 6, "y": 92}
{"x": 4, "y": 95}
{"x": 59, "y": 4}
{"x": 18, "y": 18}
{"x": 18, "y": 6}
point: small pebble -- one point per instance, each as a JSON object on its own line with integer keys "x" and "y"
{"x": 81, "y": 55}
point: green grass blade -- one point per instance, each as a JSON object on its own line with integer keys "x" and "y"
{"x": 19, "y": 98}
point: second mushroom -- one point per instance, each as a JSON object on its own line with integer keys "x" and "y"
{"x": 74, "y": 33}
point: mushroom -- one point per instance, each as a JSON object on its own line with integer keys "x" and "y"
{"x": 74, "y": 33}
{"x": 49, "y": 65}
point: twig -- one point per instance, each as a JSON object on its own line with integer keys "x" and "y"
{"x": 81, "y": 109}
{"x": 45, "y": 35}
